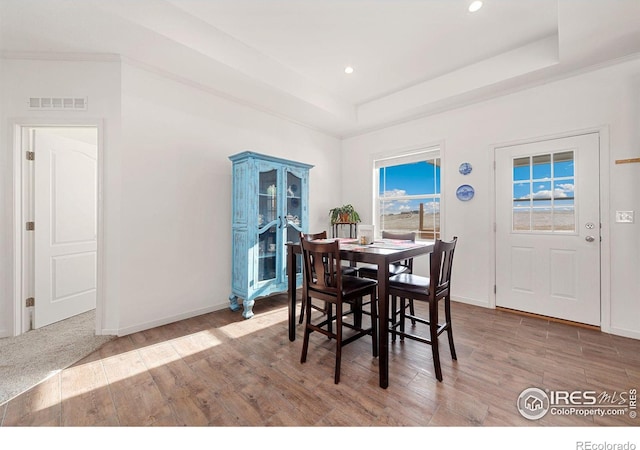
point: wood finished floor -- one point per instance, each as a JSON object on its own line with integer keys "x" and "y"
{"x": 221, "y": 370}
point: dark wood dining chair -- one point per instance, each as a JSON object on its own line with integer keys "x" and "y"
{"x": 324, "y": 280}
{"x": 429, "y": 290}
{"x": 346, "y": 270}
{"x": 398, "y": 268}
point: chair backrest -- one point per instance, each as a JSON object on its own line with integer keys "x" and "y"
{"x": 441, "y": 267}
{"x": 321, "y": 261}
{"x": 312, "y": 236}
{"x": 409, "y": 236}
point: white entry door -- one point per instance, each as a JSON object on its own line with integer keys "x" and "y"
{"x": 548, "y": 228}
{"x": 65, "y": 202}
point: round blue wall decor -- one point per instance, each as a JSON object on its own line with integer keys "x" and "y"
{"x": 465, "y": 193}
{"x": 465, "y": 168}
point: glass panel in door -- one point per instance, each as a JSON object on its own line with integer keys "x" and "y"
{"x": 267, "y": 224}
{"x": 543, "y": 193}
{"x": 293, "y": 213}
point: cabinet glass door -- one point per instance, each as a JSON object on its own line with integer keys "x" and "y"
{"x": 294, "y": 211}
{"x": 267, "y": 224}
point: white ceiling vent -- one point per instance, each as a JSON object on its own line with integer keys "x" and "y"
{"x": 58, "y": 103}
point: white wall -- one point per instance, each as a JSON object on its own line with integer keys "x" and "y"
{"x": 176, "y": 183}
{"x": 608, "y": 97}
{"x": 167, "y": 183}
{"x": 20, "y": 79}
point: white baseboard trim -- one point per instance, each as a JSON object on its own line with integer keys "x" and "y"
{"x": 472, "y": 301}
{"x": 633, "y": 334}
{"x": 167, "y": 320}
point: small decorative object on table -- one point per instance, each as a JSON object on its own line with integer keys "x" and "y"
{"x": 365, "y": 234}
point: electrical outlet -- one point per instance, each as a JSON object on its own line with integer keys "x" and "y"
{"x": 624, "y": 216}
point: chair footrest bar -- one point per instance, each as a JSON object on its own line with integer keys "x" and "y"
{"x": 394, "y": 329}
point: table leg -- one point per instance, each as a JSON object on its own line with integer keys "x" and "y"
{"x": 291, "y": 274}
{"x": 383, "y": 323}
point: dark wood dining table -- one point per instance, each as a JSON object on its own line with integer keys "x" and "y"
{"x": 381, "y": 253}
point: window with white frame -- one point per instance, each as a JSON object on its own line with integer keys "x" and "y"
{"x": 407, "y": 193}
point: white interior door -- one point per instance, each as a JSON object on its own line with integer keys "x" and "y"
{"x": 65, "y": 202}
{"x": 548, "y": 228}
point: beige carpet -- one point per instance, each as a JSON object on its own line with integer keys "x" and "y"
{"x": 32, "y": 357}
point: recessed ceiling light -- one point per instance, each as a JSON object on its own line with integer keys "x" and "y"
{"x": 348, "y": 69}
{"x": 474, "y": 6}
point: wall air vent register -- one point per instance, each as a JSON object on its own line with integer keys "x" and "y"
{"x": 58, "y": 103}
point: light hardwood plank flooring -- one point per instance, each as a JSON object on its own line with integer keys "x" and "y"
{"x": 221, "y": 370}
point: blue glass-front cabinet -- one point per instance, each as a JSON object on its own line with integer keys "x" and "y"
{"x": 270, "y": 208}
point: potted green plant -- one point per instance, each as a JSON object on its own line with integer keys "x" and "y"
{"x": 344, "y": 214}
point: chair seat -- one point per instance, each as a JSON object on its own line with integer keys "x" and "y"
{"x": 351, "y": 271}
{"x": 414, "y": 284}
{"x": 351, "y": 284}
{"x": 409, "y": 282}
{"x": 394, "y": 269}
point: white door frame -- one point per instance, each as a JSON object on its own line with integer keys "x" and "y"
{"x": 20, "y": 312}
{"x": 605, "y": 258}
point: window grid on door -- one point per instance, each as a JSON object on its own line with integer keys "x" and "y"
{"x": 543, "y": 193}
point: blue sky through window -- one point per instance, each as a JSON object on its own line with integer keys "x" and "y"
{"x": 413, "y": 179}
{"x": 410, "y": 179}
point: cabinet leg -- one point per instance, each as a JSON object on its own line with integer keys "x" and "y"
{"x": 248, "y": 309}
{"x": 233, "y": 303}
{"x": 247, "y": 304}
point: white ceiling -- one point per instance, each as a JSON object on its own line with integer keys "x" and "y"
{"x": 287, "y": 57}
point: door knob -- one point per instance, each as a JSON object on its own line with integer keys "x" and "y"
{"x": 589, "y": 239}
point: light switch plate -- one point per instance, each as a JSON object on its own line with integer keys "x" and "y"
{"x": 624, "y": 216}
